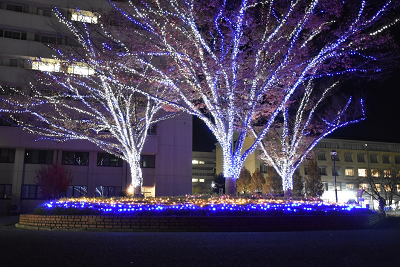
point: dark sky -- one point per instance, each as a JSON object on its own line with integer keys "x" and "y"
{"x": 382, "y": 105}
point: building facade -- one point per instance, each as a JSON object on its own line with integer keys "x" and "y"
{"x": 203, "y": 171}
{"x": 25, "y": 29}
{"x": 354, "y": 160}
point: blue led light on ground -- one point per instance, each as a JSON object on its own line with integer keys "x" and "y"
{"x": 210, "y": 207}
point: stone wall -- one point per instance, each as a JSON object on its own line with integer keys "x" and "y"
{"x": 204, "y": 224}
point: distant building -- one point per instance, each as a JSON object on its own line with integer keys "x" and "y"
{"x": 25, "y": 28}
{"x": 353, "y": 159}
{"x": 203, "y": 171}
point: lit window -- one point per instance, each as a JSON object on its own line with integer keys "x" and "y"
{"x": 55, "y": 65}
{"x": 386, "y": 173}
{"x": 350, "y": 187}
{"x": 46, "y": 64}
{"x": 362, "y": 172}
{"x": 378, "y": 187}
{"x": 364, "y": 186}
{"x": 195, "y": 180}
{"x": 84, "y": 16}
{"x": 374, "y": 173}
{"x": 349, "y": 172}
{"x": 387, "y": 188}
{"x": 195, "y": 161}
{"x": 201, "y": 180}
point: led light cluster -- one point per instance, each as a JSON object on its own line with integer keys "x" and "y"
{"x": 199, "y": 207}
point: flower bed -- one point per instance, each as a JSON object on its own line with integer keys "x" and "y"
{"x": 192, "y": 206}
{"x": 196, "y": 214}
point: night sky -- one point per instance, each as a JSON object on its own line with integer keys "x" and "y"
{"x": 382, "y": 105}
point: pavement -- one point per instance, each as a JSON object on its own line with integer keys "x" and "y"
{"x": 378, "y": 246}
{"x": 8, "y": 220}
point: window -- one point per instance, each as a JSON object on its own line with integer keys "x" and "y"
{"x": 83, "y": 16}
{"x": 349, "y": 172}
{"x": 152, "y": 130}
{"x": 374, "y": 173}
{"x": 7, "y": 155}
{"x": 325, "y": 186}
{"x": 75, "y": 191}
{"x": 337, "y": 169}
{"x": 263, "y": 168}
{"x": 108, "y": 191}
{"x": 148, "y": 161}
{"x": 364, "y": 186}
{"x": 350, "y": 186}
{"x": 361, "y": 157}
{"x": 48, "y": 39}
{"x": 75, "y": 158}
{"x": 14, "y": 35}
{"x": 336, "y": 157}
{"x": 195, "y": 161}
{"x": 5, "y": 191}
{"x": 378, "y": 187}
{"x": 38, "y": 156}
{"x": 30, "y": 192}
{"x": 386, "y": 173}
{"x": 201, "y": 180}
{"x": 338, "y": 186}
{"x": 373, "y": 158}
{"x": 348, "y": 157}
{"x": 322, "y": 170}
{"x": 386, "y": 159}
{"x": 321, "y": 156}
{"x": 105, "y": 159}
{"x": 195, "y": 180}
{"x": 397, "y": 159}
{"x": 362, "y": 172}
{"x": 17, "y": 8}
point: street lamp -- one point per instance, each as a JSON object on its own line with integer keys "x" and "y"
{"x": 333, "y": 153}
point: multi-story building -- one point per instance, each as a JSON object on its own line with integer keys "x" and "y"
{"x": 352, "y": 162}
{"x": 25, "y": 28}
{"x": 203, "y": 171}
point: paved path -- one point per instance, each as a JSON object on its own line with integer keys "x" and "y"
{"x": 371, "y": 247}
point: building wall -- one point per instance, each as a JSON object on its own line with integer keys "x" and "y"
{"x": 172, "y": 146}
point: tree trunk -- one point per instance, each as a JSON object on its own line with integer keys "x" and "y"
{"x": 136, "y": 176}
{"x": 230, "y": 186}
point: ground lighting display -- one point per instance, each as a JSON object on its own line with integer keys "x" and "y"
{"x": 193, "y": 206}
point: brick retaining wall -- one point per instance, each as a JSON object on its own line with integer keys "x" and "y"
{"x": 219, "y": 224}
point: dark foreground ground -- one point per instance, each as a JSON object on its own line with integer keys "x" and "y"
{"x": 379, "y": 246}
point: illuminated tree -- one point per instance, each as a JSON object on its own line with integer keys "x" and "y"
{"x": 313, "y": 184}
{"x": 313, "y": 114}
{"x": 91, "y": 97}
{"x": 52, "y": 180}
{"x": 233, "y": 61}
